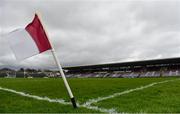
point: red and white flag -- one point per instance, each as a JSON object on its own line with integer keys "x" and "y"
{"x": 33, "y": 40}
{"x": 29, "y": 41}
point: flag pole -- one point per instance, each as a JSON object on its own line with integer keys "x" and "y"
{"x": 59, "y": 67}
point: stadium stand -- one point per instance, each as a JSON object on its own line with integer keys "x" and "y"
{"x": 169, "y": 67}
{"x": 136, "y": 69}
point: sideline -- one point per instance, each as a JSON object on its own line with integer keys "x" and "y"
{"x": 91, "y": 101}
{"x": 60, "y": 101}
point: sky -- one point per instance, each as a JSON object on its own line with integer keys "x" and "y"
{"x": 86, "y": 32}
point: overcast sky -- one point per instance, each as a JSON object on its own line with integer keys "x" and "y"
{"x": 95, "y": 31}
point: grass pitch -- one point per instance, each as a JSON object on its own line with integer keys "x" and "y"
{"x": 161, "y": 98}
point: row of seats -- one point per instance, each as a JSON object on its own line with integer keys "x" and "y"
{"x": 117, "y": 74}
{"x": 114, "y": 74}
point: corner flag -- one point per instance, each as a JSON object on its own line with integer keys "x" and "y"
{"x": 29, "y": 41}
{"x": 32, "y": 40}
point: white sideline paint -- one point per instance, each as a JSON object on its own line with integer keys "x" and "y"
{"x": 91, "y": 101}
{"x": 61, "y": 101}
{"x": 110, "y": 111}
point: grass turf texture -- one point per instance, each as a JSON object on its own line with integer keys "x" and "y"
{"x": 159, "y": 98}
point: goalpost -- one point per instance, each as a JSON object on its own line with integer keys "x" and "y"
{"x": 10, "y": 74}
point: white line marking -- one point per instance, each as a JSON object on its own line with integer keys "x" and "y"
{"x": 112, "y": 110}
{"x": 91, "y": 101}
{"x": 61, "y": 101}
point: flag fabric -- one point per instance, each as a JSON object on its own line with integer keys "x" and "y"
{"x": 29, "y": 41}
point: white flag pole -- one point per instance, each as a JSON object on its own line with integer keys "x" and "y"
{"x": 59, "y": 67}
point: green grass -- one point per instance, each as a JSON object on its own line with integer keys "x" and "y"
{"x": 14, "y": 103}
{"x": 159, "y": 98}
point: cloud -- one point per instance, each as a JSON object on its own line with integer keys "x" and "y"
{"x": 99, "y": 31}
